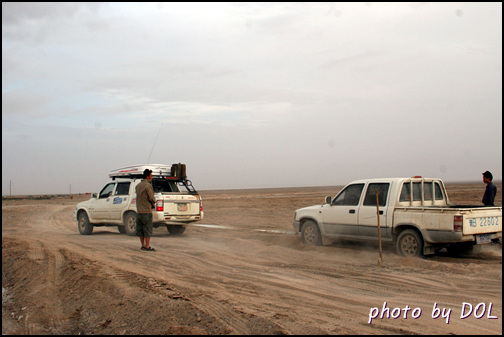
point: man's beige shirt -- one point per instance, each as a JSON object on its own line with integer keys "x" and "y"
{"x": 145, "y": 199}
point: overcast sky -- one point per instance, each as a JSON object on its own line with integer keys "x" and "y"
{"x": 249, "y": 95}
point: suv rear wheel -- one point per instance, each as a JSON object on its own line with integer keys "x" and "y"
{"x": 175, "y": 229}
{"x": 130, "y": 223}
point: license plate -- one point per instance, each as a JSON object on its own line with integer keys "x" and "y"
{"x": 483, "y": 238}
{"x": 182, "y": 207}
{"x": 484, "y": 222}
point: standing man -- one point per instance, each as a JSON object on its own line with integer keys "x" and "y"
{"x": 490, "y": 191}
{"x": 145, "y": 202}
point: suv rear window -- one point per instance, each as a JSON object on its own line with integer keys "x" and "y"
{"x": 164, "y": 186}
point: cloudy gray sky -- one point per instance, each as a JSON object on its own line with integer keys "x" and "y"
{"x": 249, "y": 95}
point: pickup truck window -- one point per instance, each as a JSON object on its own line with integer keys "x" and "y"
{"x": 382, "y": 189}
{"x": 350, "y": 196}
{"x": 122, "y": 188}
{"x": 439, "y": 192}
{"x": 431, "y": 191}
{"x": 428, "y": 191}
{"x": 417, "y": 191}
{"x": 405, "y": 193}
{"x": 107, "y": 191}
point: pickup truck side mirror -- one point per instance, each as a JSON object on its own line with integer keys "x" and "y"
{"x": 328, "y": 199}
{"x": 94, "y": 195}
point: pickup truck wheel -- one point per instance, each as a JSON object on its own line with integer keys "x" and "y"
{"x": 175, "y": 229}
{"x": 310, "y": 234}
{"x": 130, "y": 224}
{"x": 409, "y": 244}
{"x": 121, "y": 229}
{"x": 85, "y": 227}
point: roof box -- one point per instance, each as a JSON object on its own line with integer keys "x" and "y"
{"x": 137, "y": 171}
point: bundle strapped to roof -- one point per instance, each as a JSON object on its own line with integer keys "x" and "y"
{"x": 175, "y": 171}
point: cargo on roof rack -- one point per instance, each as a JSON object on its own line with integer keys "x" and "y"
{"x": 137, "y": 170}
{"x": 176, "y": 171}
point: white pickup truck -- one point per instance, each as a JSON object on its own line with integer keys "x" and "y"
{"x": 177, "y": 202}
{"x": 414, "y": 214}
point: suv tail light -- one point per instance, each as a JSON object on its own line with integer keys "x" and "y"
{"x": 160, "y": 205}
{"x": 201, "y": 205}
{"x": 457, "y": 223}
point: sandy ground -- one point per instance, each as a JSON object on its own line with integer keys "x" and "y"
{"x": 241, "y": 270}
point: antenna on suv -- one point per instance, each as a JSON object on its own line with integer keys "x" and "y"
{"x": 155, "y": 140}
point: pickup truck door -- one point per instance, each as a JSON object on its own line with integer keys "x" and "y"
{"x": 340, "y": 218}
{"x": 101, "y": 207}
{"x": 368, "y": 220}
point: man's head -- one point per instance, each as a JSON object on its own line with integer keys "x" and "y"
{"x": 487, "y": 177}
{"x": 147, "y": 174}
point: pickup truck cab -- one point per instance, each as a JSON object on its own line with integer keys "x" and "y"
{"x": 414, "y": 214}
{"x": 177, "y": 202}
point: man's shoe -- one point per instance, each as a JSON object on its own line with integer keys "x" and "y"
{"x": 144, "y": 248}
{"x": 150, "y": 249}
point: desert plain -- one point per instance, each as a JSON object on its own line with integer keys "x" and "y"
{"x": 241, "y": 270}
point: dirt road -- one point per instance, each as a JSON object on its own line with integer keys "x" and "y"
{"x": 240, "y": 271}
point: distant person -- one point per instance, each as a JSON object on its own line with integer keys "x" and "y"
{"x": 145, "y": 203}
{"x": 490, "y": 191}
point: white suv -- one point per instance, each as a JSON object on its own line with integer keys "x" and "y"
{"x": 177, "y": 202}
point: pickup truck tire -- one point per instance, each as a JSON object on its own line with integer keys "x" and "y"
{"x": 310, "y": 234}
{"x": 130, "y": 223}
{"x": 85, "y": 227}
{"x": 121, "y": 229}
{"x": 409, "y": 243}
{"x": 175, "y": 229}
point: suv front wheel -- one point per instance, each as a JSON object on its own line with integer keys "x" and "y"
{"x": 85, "y": 227}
